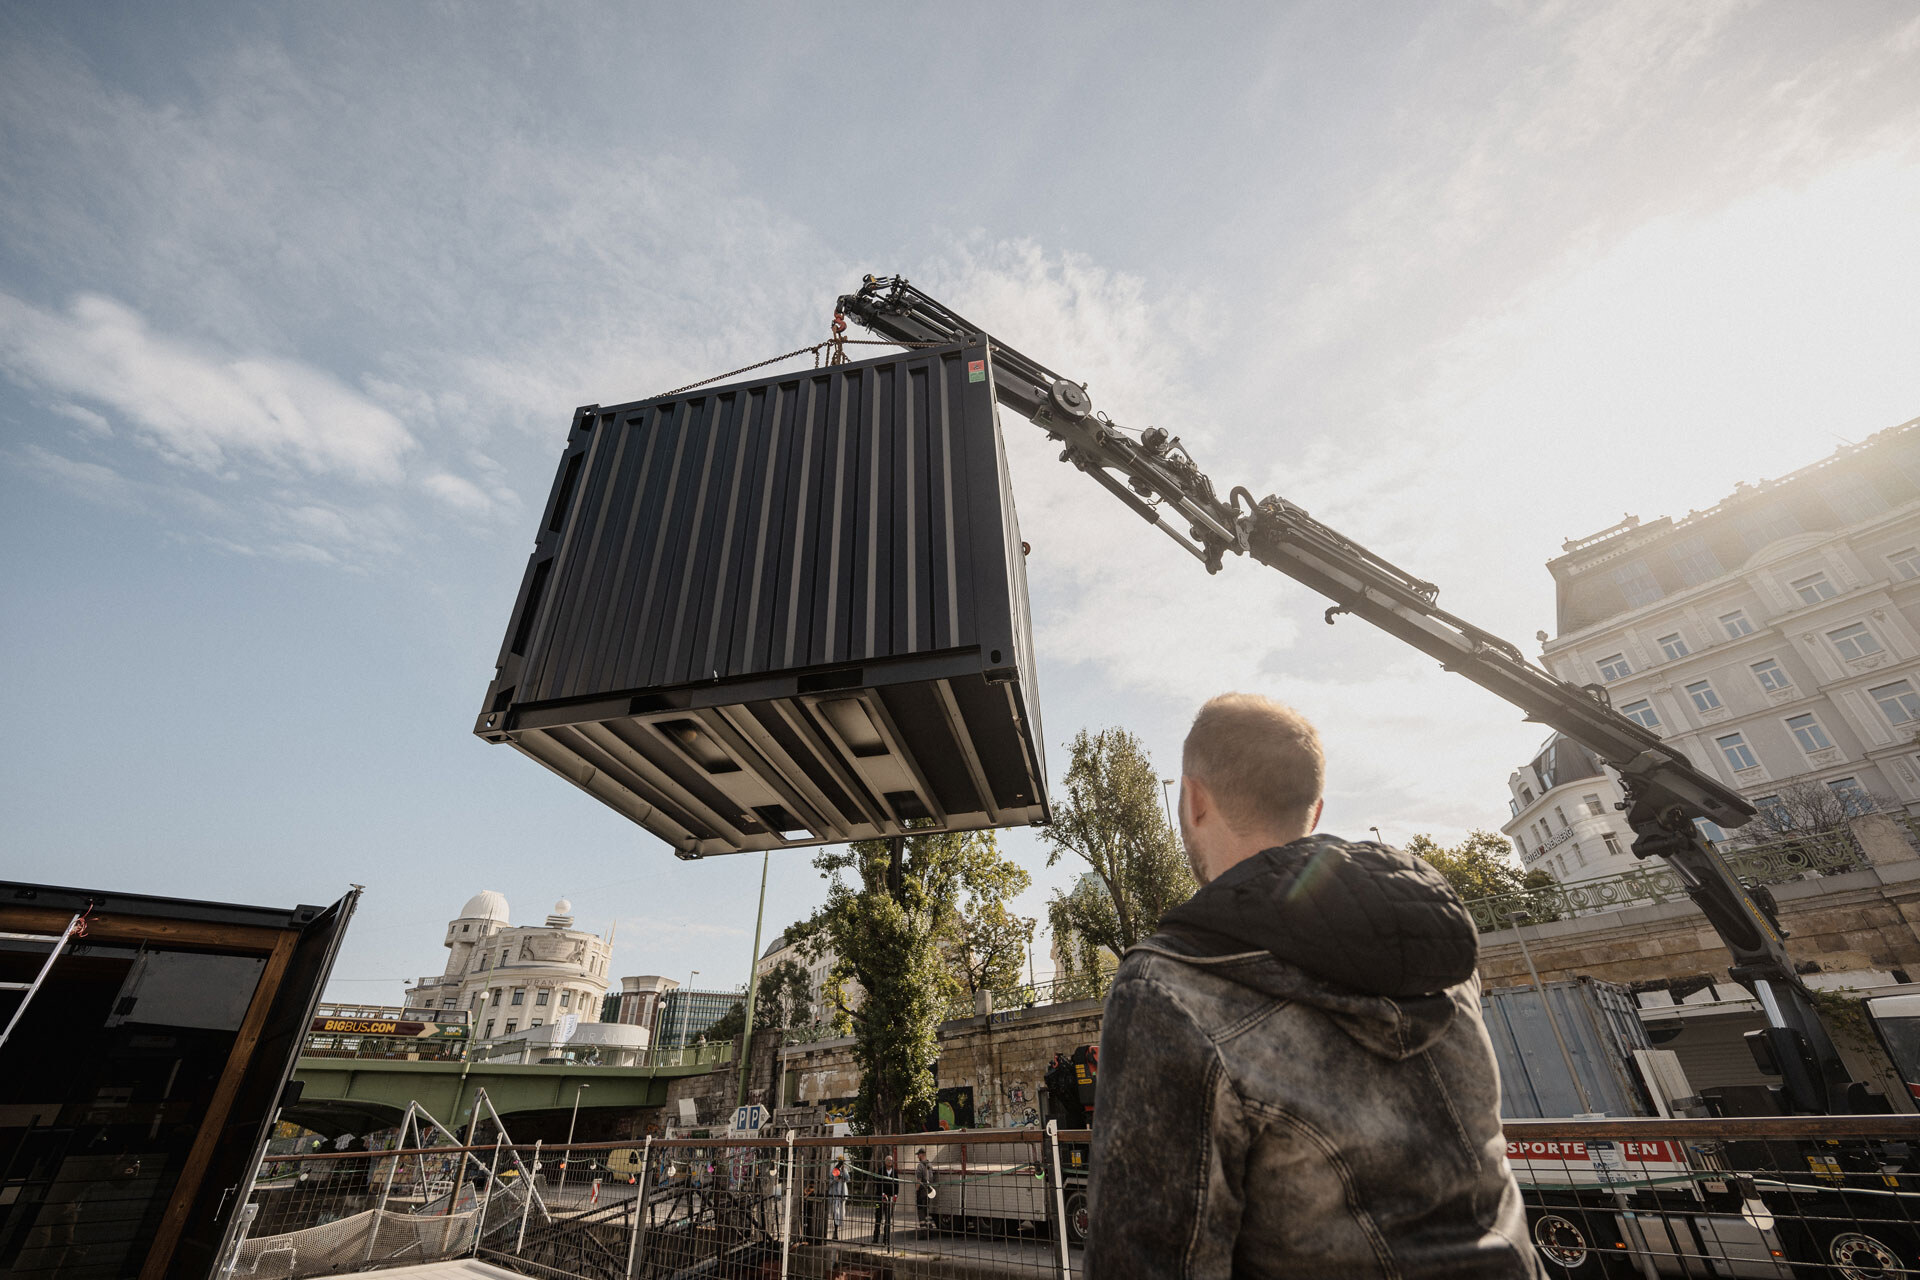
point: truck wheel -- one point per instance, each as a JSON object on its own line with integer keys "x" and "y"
{"x": 1858, "y": 1255}
{"x": 1566, "y": 1248}
{"x": 1079, "y": 1216}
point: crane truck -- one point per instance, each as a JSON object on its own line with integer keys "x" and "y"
{"x": 1154, "y": 475}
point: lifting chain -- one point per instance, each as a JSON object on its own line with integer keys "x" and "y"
{"x": 835, "y": 347}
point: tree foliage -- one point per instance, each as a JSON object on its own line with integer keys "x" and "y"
{"x": 1482, "y": 866}
{"x": 784, "y": 999}
{"x": 1806, "y": 808}
{"x": 1112, "y": 816}
{"x": 912, "y": 948}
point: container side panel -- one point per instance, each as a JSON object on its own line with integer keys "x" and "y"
{"x": 714, "y": 571}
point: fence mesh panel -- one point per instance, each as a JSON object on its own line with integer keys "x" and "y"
{"x": 1779, "y": 1197}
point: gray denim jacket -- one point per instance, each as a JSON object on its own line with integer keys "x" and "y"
{"x": 1295, "y": 1081}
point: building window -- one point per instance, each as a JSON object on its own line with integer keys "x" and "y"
{"x": 1854, "y": 641}
{"x": 1852, "y": 795}
{"x": 1695, "y": 560}
{"x": 1579, "y": 858}
{"x": 512, "y": 1026}
{"x": 496, "y": 997}
{"x": 449, "y": 1003}
{"x": 1520, "y": 841}
{"x": 1773, "y": 809}
{"x": 1852, "y": 497}
{"x": 1561, "y": 814}
{"x": 1615, "y": 668}
{"x": 1643, "y": 712}
{"x": 1710, "y": 830}
{"x": 1813, "y": 588}
{"x": 1673, "y": 646}
{"x": 1546, "y": 832}
{"x": 1736, "y": 624}
{"x": 1770, "y": 676}
{"x": 466, "y": 928}
{"x": 489, "y": 1030}
{"x": 1637, "y": 584}
{"x": 1766, "y": 525}
{"x": 1738, "y": 753}
{"x": 536, "y": 1022}
{"x": 566, "y": 999}
{"x": 1612, "y": 842}
{"x": 1704, "y": 698}
{"x": 1526, "y": 793}
{"x": 1593, "y": 805}
{"x": 519, "y": 995}
{"x": 540, "y": 998}
{"x": 1513, "y": 807}
{"x": 1808, "y": 733}
{"x": 1898, "y": 701}
{"x": 1906, "y": 564}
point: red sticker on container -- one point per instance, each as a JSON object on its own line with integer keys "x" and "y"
{"x": 976, "y": 371}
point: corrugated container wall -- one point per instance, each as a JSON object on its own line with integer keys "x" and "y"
{"x": 1601, "y": 1024}
{"x": 784, "y": 612}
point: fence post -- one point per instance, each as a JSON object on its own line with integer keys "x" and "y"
{"x": 636, "y": 1243}
{"x": 786, "y": 1209}
{"x": 380, "y": 1210}
{"x": 526, "y": 1203}
{"x": 493, "y": 1178}
{"x": 1059, "y": 1196}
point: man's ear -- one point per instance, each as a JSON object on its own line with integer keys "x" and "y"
{"x": 1313, "y": 823}
{"x": 1195, "y": 800}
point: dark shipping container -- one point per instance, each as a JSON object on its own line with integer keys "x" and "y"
{"x": 785, "y": 612}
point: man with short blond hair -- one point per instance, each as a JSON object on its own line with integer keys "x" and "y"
{"x": 1295, "y": 1080}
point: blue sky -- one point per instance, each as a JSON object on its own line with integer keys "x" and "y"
{"x": 295, "y": 303}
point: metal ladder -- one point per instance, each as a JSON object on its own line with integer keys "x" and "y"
{"x": 76, "y": 928}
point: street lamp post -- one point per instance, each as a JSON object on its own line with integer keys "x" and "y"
{"x": 1376, "y": 835}
{"x": 1167, "y": 800}
{"x": 568, "y": 1158}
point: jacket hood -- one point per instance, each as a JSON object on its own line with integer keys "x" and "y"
{"x": 1372, "y": 936}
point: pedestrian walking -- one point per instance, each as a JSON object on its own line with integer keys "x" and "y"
{"x": 923, "y": 1190}
{"x": 887, "y": 1190}
{"x": 1294, "y": 1077}
{"x": 837, "y": 1195}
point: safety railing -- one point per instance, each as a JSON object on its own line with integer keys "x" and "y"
{"x": 1777, "y": 862}
{"x": 1776, "y": 1197}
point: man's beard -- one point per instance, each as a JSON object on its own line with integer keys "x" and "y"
{"x": 1193, "y": 858}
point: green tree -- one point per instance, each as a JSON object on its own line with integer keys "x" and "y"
{"x": 984, "y": 942}
{"x": 1482, "y": 866}
{"x": 1112, "y": 816}
{"x": 900, "y": 943}
{"x": 784, "y": 1000}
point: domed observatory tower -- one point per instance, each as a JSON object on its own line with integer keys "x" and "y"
{"x": 512, "y": 978}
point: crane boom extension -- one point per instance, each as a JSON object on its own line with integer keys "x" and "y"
{"x": 1158, "y": 479}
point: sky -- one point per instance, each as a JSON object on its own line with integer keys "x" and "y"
{"x": 296, "y": 301}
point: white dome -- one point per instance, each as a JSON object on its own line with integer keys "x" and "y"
{"x": 563, "y": 908}
{"x": 485, "y": 905}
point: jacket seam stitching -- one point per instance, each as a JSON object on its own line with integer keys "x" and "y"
{"x": 1183, "y": 958}
{"x": 1201, "y": 1180}
{"x": 1328, "y": 1148}
{"x": 1248, "y": 1022}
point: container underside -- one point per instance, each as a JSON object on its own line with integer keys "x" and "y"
{"x": 826, "y": 757}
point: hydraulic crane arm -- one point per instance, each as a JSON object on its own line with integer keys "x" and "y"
{"x": 1155, "y": 476}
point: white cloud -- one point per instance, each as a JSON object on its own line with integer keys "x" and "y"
{"x": 459, "y": 494}
{"x": 202, "y": 409}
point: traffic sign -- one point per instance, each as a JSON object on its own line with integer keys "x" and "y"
{"x": 748, "y": 1119}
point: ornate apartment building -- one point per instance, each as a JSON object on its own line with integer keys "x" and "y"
{"x": 1774, "y": 638}
{"x": 1563, "y": 817}
{"x": 516, "y": 977}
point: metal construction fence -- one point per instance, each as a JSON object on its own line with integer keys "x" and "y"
{"x": 1775, "y": 1197}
